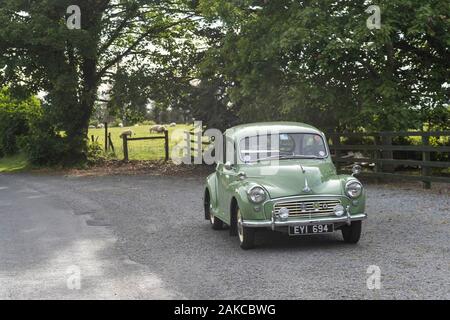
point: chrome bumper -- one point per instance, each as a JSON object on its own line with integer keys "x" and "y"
{"x": 274, "y": 223}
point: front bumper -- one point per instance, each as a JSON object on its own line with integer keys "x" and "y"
{"x": 275, "y": 223}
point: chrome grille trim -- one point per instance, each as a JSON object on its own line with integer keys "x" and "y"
{"x": 306, "y": 208}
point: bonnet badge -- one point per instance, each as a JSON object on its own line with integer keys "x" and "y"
{"x": 306, "y": 189}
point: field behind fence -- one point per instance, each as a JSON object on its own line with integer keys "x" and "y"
{"x": 141, "y": 149}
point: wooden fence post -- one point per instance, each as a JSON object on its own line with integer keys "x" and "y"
{"x": 426, "y": 157}
{"x": 376, "y": 156}
{"x": 106, "y": 136}
{"x": 125, "y": 147}
{"x": 166, "y": 144}
{"x": 111, "y": 145}
{"x": 387, "y": 154}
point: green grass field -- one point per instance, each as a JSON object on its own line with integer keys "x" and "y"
{"x": 138, "y": 150}
{"x": 13, "y": 163}
{"x": 142, "y": 149}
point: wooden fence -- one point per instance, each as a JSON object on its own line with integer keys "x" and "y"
{"x": 382, "y": 151}
{"x": 195, "y": 145}
{"x": 165, "y": 137}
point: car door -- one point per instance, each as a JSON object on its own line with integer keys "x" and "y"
{"x": 224, "y": 193}
{"x": 220, "y": 188}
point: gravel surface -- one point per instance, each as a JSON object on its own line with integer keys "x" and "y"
{"x": 158, "y": 222}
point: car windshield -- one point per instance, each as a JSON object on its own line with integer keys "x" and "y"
{"x": 282, "y": 146}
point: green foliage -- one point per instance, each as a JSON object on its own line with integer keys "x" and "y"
{"x": 44, "y": 147}
{"x": 317, "y": 62}
{"x": 95, "y": 152}
{"x": 15, "y": 118}
{"x": 129, "y": 96}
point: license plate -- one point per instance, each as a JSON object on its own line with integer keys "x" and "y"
{"x": 310, "y": 229}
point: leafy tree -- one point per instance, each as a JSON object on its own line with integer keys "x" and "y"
{"x": 39, "y": 53}
{"x": 316, "y": 61}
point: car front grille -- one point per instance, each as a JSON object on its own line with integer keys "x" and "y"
{"x": 308, "y": 208}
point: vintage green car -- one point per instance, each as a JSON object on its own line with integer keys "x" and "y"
{"x": 280, "y": 176}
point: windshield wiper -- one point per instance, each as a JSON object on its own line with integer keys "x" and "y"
{"x": 286, "y": 157}
{"x": 302, "y": 156}
{"x": 267, "y": 158}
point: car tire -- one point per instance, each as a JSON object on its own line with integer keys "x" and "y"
{"x": 216, "y": 223}
{"x": 207, "y": 205}
{"x": 246, "y": 235}
{"x": 352, "y": 233}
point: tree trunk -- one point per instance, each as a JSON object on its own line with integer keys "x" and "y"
{"x": 77, "y": 135}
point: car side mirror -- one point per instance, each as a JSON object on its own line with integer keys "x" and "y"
{"x": 228, "y": 165}
{"x": 356, "y": 169}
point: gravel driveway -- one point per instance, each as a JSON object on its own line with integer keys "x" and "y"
{"x": 158, "y": 223}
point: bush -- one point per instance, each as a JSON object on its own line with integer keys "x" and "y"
{"x": 15, "y": 118}
{"x": 95, "y": 152}
{"x": 148, "y": 123}
{"x": 48, "y": 145}
{"x": 45, "y": 148}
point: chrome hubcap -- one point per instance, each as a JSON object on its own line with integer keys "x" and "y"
{"x": 240, "y": 227}
{"x": 211, "y": 216}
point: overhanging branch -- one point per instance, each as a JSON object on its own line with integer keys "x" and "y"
{"x": 130, "y": 49}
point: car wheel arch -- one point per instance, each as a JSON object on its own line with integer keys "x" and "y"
{"x": 207, "y": 203}
{"x": 234, "y": 205}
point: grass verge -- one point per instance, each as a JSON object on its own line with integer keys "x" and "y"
{"x": 13, "y": 163}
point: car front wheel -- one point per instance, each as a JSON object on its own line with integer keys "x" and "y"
{"x": 246, "y": 235}
{"x": 352, "y": 233}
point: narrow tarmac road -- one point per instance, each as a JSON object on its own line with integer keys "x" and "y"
{"x": 49, "y": 252}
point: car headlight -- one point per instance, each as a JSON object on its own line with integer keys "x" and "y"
{"x": 256, "y": 194}
{"x": 353, "y": 189}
